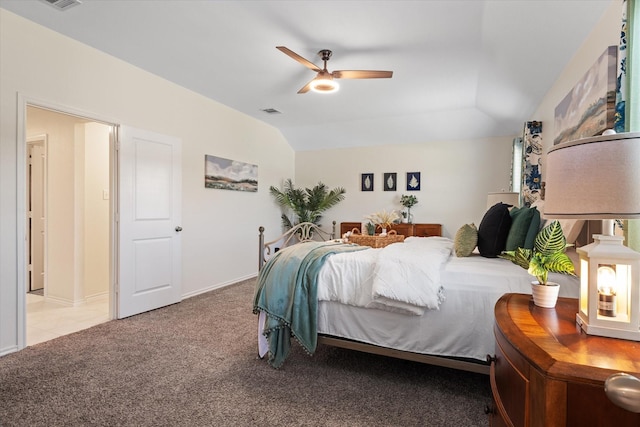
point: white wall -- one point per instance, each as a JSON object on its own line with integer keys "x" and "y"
{"x": 95, "y": 137}
{"x": 220, "y": 227}
{"x": 456, "y": 177}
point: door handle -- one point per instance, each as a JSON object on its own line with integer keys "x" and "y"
{"x": 178, "y": 229}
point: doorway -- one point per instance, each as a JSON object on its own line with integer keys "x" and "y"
{"x": 68, "y": 223}
{"x": 143, "y": 194}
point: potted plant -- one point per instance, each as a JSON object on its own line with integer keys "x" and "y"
{"x": 548, "y": 255}
{"x": 371, "y": 229}
{"x": 308, "y": 204}
{"x": 408, "y": 202}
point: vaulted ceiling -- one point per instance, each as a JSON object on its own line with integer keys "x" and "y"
{"x": 463, "y": 69}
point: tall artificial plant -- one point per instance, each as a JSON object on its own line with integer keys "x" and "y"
{"x": 305, "y": 204}
{"x": 548, "y": 254}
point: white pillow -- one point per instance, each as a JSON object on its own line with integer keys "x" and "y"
{"x": 570, "y": 227}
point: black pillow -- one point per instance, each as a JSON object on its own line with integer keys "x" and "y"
{"x": 493, "y": 230}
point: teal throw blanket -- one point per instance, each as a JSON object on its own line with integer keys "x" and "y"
{"x": 286, "y": 292}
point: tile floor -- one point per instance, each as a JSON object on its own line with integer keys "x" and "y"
{"x": 47, "y": 320}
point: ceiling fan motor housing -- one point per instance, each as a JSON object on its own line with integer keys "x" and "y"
{"x": 325, "y": 54}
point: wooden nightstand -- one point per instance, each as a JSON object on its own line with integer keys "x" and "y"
{"x": 546, "y": 372}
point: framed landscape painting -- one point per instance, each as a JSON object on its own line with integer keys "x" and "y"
{"x": 226, "y": 174}
{"x": 589, "y": 108}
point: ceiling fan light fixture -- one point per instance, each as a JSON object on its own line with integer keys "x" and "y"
{"x": 324, "y": 85}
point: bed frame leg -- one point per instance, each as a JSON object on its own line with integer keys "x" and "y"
{"x": 260, "y": 247}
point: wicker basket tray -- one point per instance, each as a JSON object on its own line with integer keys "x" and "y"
{"x": 376, "y": 241}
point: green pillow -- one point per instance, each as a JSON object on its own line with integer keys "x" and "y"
{"x": 534, "y": 228}
{"x": 465, "y": 240}
{"x": 520, "y": 223}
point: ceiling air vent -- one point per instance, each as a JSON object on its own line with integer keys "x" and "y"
{"x": 271, "y": 111}
{"x": 63, "y": 4}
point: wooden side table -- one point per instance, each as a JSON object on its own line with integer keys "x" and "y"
{"x": 546, "y": 372}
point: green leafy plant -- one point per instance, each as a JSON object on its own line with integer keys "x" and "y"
{"x": 371, "y": 229}
{"x": 408, "y": 201}
{"x": 306, "y": 204}
{"x": 548, "y": 254}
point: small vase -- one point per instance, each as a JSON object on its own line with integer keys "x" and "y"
{"x": 545, "y": 296}
{"x": 383, "y": 232}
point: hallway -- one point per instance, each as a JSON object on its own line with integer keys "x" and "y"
{"x": 46, "y": 320}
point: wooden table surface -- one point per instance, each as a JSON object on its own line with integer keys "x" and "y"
{"x": 551, "y": 340}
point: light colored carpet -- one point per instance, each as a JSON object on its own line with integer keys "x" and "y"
{"x": 194, "y": 364}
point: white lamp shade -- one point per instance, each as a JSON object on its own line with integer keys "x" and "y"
{"x": 507, "y": 198}
{"x": 594, "y": 178}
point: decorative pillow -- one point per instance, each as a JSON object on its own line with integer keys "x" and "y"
{"x": 520, "y": 222}
{"x": 493, "y": 230}
{"x": 465, "y": 240}
{"x": 534, "y": 228}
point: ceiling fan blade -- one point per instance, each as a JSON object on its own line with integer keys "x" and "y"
{"x": 299, "y": 58}
{"x": 361, "y": 74}
{"x": 306, "y": 88}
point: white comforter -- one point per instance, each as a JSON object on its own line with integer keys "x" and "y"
{"x": 400, "y": 277}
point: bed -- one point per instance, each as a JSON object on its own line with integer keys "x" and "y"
{"x": 456, "y": 331}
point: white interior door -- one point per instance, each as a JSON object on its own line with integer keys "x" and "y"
{"x": 149, "y": 221}
{"x": 37, "y": 167}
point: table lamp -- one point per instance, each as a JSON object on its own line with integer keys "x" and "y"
{"x": 598, "y": 178}
{"x": 508, "y": 198}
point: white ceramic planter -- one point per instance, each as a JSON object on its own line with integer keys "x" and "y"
{"x": 545, "y": 296}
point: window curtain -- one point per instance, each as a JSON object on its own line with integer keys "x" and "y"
{"x": 632, "y": 103}
{"x": 621, "y": 81}
{"x": 629, "y": 86}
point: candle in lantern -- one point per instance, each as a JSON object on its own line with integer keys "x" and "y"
{"x": 606, "y": 291}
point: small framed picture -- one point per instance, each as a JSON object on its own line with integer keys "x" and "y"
{"x": 366, "y": 182}
{"x": 390, "y": 181}
{"x": 413, "y": 181}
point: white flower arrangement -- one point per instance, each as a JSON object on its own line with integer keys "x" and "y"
{"x": 383, "y": 219}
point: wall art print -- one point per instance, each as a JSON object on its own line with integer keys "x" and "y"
{"x": 413, "y": 181}
{"x": 531, "y": 162}
{"x": 589, "y": 108}
{"x": 366, "y": 182}
{"x": 390, "y": 181}
{"x": 226, "y": 174}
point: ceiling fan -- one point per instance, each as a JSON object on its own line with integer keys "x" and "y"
{"x": 324, "y": 81}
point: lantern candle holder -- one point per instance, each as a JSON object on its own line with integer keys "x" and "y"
{"x": 609, "y": 303}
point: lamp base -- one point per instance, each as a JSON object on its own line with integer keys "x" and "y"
{"x": 604, "y": 331}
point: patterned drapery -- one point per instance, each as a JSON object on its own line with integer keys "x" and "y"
{"x": 621, "y": 81}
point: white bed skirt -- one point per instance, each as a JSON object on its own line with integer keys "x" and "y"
{"x": 462, "y": 327}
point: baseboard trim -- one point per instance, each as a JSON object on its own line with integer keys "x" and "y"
{"x": 8, "y": 350}
{"x": 218, "y": 286}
